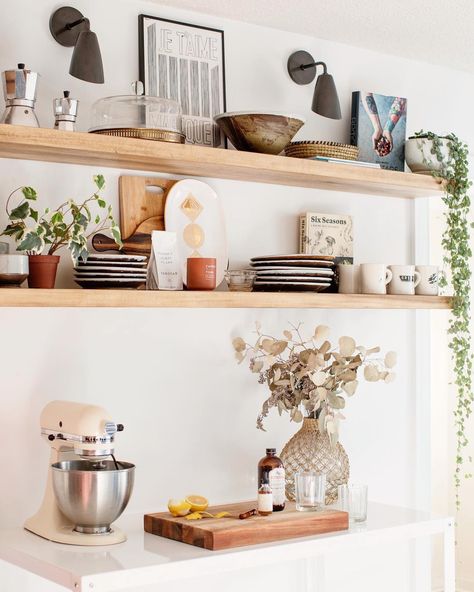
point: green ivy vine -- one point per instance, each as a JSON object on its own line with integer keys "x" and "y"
{"x": 454, "y": 171}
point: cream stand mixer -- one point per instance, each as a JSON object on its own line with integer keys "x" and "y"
{"x": 85, "y": 495}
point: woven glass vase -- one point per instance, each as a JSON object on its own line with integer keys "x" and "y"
{"x": 310, "y": 450}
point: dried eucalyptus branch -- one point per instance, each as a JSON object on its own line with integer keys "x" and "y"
{"x": 308, "y": 375}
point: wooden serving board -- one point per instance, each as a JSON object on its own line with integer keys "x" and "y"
{"x": 142, "y": 199}
{"x": 224, "y": 533}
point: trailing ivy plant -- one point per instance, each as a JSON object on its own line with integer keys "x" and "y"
{"x": 68, "y": 225}
{"x": 452, "y": 156}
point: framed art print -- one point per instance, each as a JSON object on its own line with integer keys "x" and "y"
{"x": 185, "y": 63}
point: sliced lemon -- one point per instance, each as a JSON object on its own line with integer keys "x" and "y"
{"x": 197, "y": 503}
{"x": 179, "y": 507}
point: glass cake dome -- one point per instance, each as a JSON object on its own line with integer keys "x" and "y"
{"x": 138, "y": 116}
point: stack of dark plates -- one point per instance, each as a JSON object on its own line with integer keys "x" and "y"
{"x": 111, "y": 271}
{"x": 299, "y": 273}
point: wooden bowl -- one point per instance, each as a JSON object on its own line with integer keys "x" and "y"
{"x": 268, "y": 133}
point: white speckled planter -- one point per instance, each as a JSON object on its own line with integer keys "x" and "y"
{"x": 418, "y": 150}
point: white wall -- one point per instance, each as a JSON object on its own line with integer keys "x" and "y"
{"x": 169, "y": 376}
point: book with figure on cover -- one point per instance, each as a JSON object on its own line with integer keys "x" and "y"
{"x": 327, "y": 234}
{"x": 378, "y": 128}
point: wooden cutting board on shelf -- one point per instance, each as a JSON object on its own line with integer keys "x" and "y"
{"x": 225, "y": 533}
{"x": 142, "y": 207}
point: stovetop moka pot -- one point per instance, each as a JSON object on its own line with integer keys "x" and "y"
{"x": 65, "y": 112}
{"x": 19, "y": 90}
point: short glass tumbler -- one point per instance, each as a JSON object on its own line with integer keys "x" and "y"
{"x": 343, "y": 498}
{"x": 358, "y": 502}
{"x": 240, "y": 280}
{"x": 353, "y": 499}
{"x": 310, "y": 491}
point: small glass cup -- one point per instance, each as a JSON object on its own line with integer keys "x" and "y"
{"x": 343, "y": 498}
{"x": 353, "y": 499}
{"x": 240, "y": 280}
{"x": 310, "y": 491}
{"x": 358, "y": 502}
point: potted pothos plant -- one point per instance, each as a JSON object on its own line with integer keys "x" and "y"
{"x": 69, "y": 225}
{"x": 446, "y": 158}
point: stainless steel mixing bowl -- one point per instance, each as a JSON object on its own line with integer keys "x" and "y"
{"x": 92, "y": 494}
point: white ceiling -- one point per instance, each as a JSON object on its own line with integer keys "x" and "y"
{"x": 436, "y": 31}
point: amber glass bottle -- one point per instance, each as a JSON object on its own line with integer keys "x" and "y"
{"x": 272, "y": 471}
{"x": 265, "y": 500}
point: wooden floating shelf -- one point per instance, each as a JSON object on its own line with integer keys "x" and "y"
{"x": 154, "y": 299}
{"x": 128, "y": 153}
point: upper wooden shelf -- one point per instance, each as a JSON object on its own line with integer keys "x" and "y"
{"x": 160, "y": 299}
{"x": 126, "y": 153}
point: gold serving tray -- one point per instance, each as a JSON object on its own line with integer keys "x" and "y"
{"x": 144, "y": 134}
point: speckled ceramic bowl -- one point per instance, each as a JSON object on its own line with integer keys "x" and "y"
{"x": 268, "y": 133}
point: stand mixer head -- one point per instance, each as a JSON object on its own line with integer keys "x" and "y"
{"x": 83, "y": 429}
{"x": 83, "y": 496}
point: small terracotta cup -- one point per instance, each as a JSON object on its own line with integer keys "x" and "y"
{"x": 201, "y": 273}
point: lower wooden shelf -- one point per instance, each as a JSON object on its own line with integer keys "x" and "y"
{"x": 155, "y": 299}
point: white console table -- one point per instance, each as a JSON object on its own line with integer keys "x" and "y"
{"x": 146, "y": 559}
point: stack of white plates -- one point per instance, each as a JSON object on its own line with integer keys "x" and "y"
{"x": 111, "y": 271}
{"x": 301, "y": 273}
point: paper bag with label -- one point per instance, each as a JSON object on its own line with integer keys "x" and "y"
{"x": 164, "y": 268}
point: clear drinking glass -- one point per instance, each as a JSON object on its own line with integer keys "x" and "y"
{"x": 310, "y": 491}
{"x": 358, "y": 502}
{"x": 240, "y": 280}
{"x": 343, "y": 498}
{"x": 353, "y": 499}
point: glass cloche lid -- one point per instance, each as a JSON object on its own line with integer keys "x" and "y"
{"x": 138, "y": 115}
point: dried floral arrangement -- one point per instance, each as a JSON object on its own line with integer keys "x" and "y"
{"x": 309, "y": 375}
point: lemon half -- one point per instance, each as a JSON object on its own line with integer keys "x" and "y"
{"x": 179, "y": 507}
{"x": 197, "y": 503}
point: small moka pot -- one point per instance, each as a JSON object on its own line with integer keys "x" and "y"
{"x": 65, "y": 112}
{"x": 19, "y": 90}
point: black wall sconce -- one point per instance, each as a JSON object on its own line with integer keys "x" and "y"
{"x": 71, "y": 29}
{"x": 302, "y": 70}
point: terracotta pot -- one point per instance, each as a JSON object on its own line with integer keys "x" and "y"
{"x": 43, "y": 270}
{"x": 310, "y": 450}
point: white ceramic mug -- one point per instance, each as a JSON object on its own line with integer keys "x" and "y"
{"x": 349, "y": 278}
{"x": 404, "y": 279}
{"x": 429, "y": 280}
{"x": 374, "y": 278}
